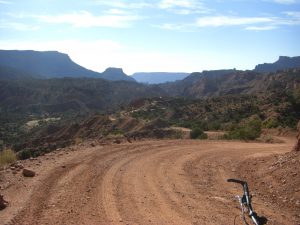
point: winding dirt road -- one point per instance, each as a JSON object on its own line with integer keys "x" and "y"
{"x": 150, "y": 182}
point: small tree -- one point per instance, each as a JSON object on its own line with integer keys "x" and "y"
{"x": 197, "y": 133}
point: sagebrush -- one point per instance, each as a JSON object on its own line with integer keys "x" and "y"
{"x": 7, "y": 156}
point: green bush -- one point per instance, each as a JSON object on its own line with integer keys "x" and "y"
{"x": 25, "y": 154}
{"x": 181, "y": 123}
{"x": 197, "y": 133}
{"x": 214, "y": 125}
{"x": 7, "y": 156}
{"x": 250, "y": 130}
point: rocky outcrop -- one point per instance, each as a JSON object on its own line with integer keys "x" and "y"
{"x": 115, "y": 74}
{"x": 283, "y": 63}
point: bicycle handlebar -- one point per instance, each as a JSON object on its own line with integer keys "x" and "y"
{"x": 236, "y": 181}
{"x": 246, "y": 199}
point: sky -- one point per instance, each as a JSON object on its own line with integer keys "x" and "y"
{"x": 155, "y": 35}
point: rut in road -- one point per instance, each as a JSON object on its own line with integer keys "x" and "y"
{"x": 150, "y": 182}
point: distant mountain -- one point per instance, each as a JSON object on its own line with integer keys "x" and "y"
{"x": 284, "y": 62}
{"x": 68, "y": 95}
{"x": 48, "y": 64}
{"x": 115, "y": 74}
{"x": 52, "y": 64}
{"x": 193, "y": 77}
{"x": 10, "y": 73}
{"x": 184, "y": 87}
{"x": 220, "y": 83}
{"x": 81, "y": 95}
{"x": 70, "y": 98}
{"x": 158, "y": 77}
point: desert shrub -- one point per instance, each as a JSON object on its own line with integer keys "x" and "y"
{"x": 249, "y": 130}
{"x": 214, "y": 125}
{"x": 197, "y": 133}
{"x": 270, "y": 123}
{"x": 202, "y": 125}
{"x": 296, "y": 95}
{"x": 228, "y": 126}
{"x": 157, "y": 124}
{"x": 182, "y": 123}
{"x": 25, "y": 154}
{"x": 1, "y": 145}
{"x": 7, "y": 156}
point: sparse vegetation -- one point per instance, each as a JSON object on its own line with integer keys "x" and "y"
{"x": 296, "y": 95}
{"x": 78, "y": 140}
{"x": 7, "y": 156}
{"x": 26, "y": 154}
{"x": 178, "y": 135}
{"x": 249, "y": 130}
{"x": 76, "y": 100}
{"x": 220, "y": 113}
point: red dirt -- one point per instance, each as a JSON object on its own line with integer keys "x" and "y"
{"x": 153, "y": 182}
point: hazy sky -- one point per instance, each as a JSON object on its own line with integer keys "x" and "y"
{"x": 157, "y": 35}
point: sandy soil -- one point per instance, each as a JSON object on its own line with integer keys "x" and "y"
{"x": 149, "y": 182}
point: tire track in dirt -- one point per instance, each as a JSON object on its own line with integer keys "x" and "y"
{"x": 39, "y": 200}
{"x": 150, "y": 201}
{"x": 64, "y": 192}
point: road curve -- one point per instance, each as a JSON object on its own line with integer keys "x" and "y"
{"x": 149, "y": 182}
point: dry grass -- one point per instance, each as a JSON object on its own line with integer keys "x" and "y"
{"x": 7, "y": 156}
{"x": 78, "y": 140}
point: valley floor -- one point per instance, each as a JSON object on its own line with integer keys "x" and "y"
{"x": 147, "y": 182}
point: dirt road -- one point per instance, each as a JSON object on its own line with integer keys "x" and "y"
{"x": 150, "y": 182}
